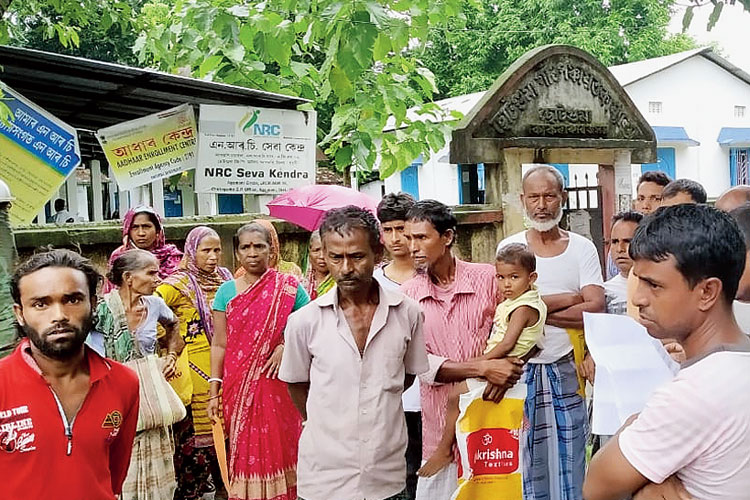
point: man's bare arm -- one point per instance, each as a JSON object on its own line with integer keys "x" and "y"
{"x": 610, "y": 476}
{"x": 572, "y": 317}
{"x": 299, "y": 392}
{"x": 559, "y": 301}
{"x": 502, "y": 372}
{"x": 408, "y": 380}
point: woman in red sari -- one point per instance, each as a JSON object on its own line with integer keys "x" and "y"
{"x": 250, "y": 314}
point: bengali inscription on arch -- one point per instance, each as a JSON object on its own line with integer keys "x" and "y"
{"x": 562, "y": 96}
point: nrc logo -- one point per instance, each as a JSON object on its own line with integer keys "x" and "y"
{"x": 266, "y": 129}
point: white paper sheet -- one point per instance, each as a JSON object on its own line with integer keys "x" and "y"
{"x": 630, "y": 364}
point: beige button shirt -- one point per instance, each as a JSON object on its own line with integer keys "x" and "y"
{"x": 353, "y": 444}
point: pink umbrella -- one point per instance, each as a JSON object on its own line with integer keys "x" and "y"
{"x": 306, "y": 206}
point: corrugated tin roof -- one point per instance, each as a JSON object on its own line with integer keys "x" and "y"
{"x": 90, "y": 95}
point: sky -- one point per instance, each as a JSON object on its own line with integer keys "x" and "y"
{"x": 730, "y": 33}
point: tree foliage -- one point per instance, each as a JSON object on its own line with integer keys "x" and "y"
{"x": 348, "y": 57}
{"x": 497, "y": 32}
{"x": 716, "y": 6}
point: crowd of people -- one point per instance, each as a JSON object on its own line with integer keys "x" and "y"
{"x": 344, "y": 382}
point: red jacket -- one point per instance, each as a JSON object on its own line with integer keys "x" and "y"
{"x": 42, "y": 457}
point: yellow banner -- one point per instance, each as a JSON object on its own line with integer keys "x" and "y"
{"x": 151, "y": 148}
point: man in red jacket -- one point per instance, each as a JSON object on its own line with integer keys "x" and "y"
{"x": 67, "y": 415}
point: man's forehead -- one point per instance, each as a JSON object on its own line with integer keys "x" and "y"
{"x": 393, "y": 223}
{"x": 416, "y": 225}
{"x": 541, "y": 180}
{"x": 53, "y": 281}
{"x": 644, "y": 267}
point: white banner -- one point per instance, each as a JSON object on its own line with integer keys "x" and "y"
{"x": 254, "y": 150}
{"x": 150, "y": 148}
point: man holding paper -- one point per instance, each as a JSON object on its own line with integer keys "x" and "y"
{"x": 688, "y": 260}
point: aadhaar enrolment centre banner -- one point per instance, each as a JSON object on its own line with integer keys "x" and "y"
{"x": 37, "y": 153}
{"x": 151, "y": 148}
{"x": 254, "y": 150}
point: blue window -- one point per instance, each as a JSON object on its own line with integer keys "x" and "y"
{"x": 230, "y": 204}
{"x": 665, "y": 162}
{"x": 738, "y": 166}
{"x": 410, "y": 178}
{"x": 471, "y": 183}
{"x": 173, "y": 203}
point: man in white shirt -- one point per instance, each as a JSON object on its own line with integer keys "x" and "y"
{"x": 688, "y": 260}
{"x": 570, "y": 281}
{"x": 616, "y": 289}
{"x": 392, "y": 211}
{"x": 348, "y": 356}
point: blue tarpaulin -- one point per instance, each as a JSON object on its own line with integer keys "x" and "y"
{"x": 674, "y": 135}
{"x": 734, "y": 137}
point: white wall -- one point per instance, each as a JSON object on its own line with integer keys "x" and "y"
{"x": 372, "y": 189}
{"x": 438, "y": 180}
{"x": 700, "y": 96}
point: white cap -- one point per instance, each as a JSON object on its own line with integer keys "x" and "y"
{"x": 5, "y": 195}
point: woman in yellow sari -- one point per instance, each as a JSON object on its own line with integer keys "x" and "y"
{"x": 189, "y": 293}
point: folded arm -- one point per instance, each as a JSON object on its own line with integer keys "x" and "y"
{"x": 572, "y": 316}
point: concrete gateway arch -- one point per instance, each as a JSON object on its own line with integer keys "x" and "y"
{"x": 555, "y": 104}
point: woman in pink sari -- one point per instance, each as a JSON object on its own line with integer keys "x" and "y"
{"x": 263, "y": 426}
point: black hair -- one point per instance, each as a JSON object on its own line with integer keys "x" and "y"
{"x": 344, "y": 220}
{"x": 705, "y": 242}
{"x": 129, "y": 261}
{"x": 741, "y": 216}
{"x": 655, "y": 176}
{"x": 252, "y": 227}
{"x": 59, "y": 204}
{"x": 627, "y": 216}
{"x": 395, "y": 206}
{"x": 54, "y": 258}
{"x": 519, "y": 254}
{"x": 151, "y": 216}
{"x": 694, "y": 189}
{"x": 439, "y": 215}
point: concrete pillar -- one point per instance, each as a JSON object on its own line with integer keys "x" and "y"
{"x": 42, "y": 216}
{"x": 188, "y": 201}
{"x": 140, "y": 196}
{"x": 157, "y": 196}
{"x": 609, "y": 201}
{"x": 623, "y": 181}
{"x": 251, "y": 203}
{"x": 71, "y": 187}
{"x": 511, "y": 177}
{"x": 207, "y": 204}
{"x": 97, "y": 190}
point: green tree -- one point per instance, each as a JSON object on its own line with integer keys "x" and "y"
{"x": 497, "y": 32}
{"x": 716, "y": 6}
{"x": 350, "y": 57}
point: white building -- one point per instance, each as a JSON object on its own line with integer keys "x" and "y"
{"x": 696, "y": 101}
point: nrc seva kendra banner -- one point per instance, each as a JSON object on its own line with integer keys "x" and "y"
{"x": 254, "y": 150}
{"x": 37, "y": 153}
{"x": 151, "y": 148}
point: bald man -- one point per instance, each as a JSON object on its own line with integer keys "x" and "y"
{"x": 733, "y": 198}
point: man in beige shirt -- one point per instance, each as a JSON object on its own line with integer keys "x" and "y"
{"x": 347, "y": 358}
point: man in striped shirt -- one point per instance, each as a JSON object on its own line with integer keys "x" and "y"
{"x": 458, "y": 300}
